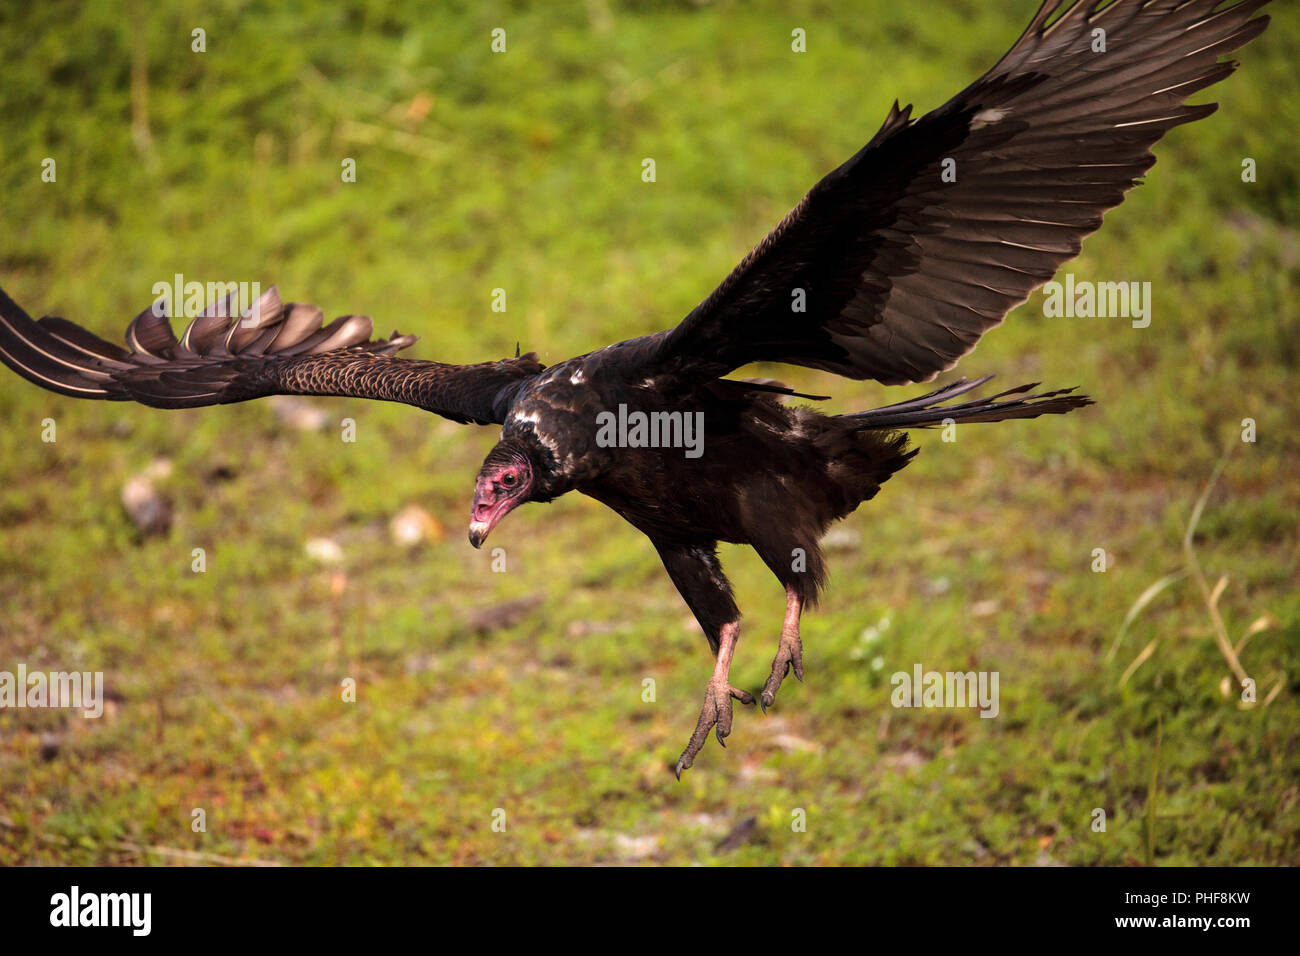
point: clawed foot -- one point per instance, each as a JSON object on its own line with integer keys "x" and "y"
{"x": 715, "y": 715}
{"x": 788, "y": 655}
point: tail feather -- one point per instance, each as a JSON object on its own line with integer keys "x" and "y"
{"x": 928, "y": 410}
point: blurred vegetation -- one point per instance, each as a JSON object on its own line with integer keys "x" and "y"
{"x": 522, "y": 171}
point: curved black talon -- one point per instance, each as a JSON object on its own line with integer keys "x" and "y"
{"x": 789, "y": 657}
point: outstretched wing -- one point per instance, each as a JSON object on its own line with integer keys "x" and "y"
{"x": 272, "y": 348}
{"x": 924, "y": 240}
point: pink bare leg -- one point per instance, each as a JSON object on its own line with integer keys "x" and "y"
{"x": 716, "y": 712}
{"x": 790, "y": 652}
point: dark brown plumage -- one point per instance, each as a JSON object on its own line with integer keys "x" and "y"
{"x": 901, "y": 258}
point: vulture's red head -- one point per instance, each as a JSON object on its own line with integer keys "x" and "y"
{"x": 506, "y": 480}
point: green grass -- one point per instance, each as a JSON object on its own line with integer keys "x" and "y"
{"x": 522, "y": 171}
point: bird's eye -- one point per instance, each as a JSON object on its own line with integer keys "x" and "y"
{"x": 508, "y": 479}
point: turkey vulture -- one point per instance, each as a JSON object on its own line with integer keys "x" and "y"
{"x": 900, "y": 260}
